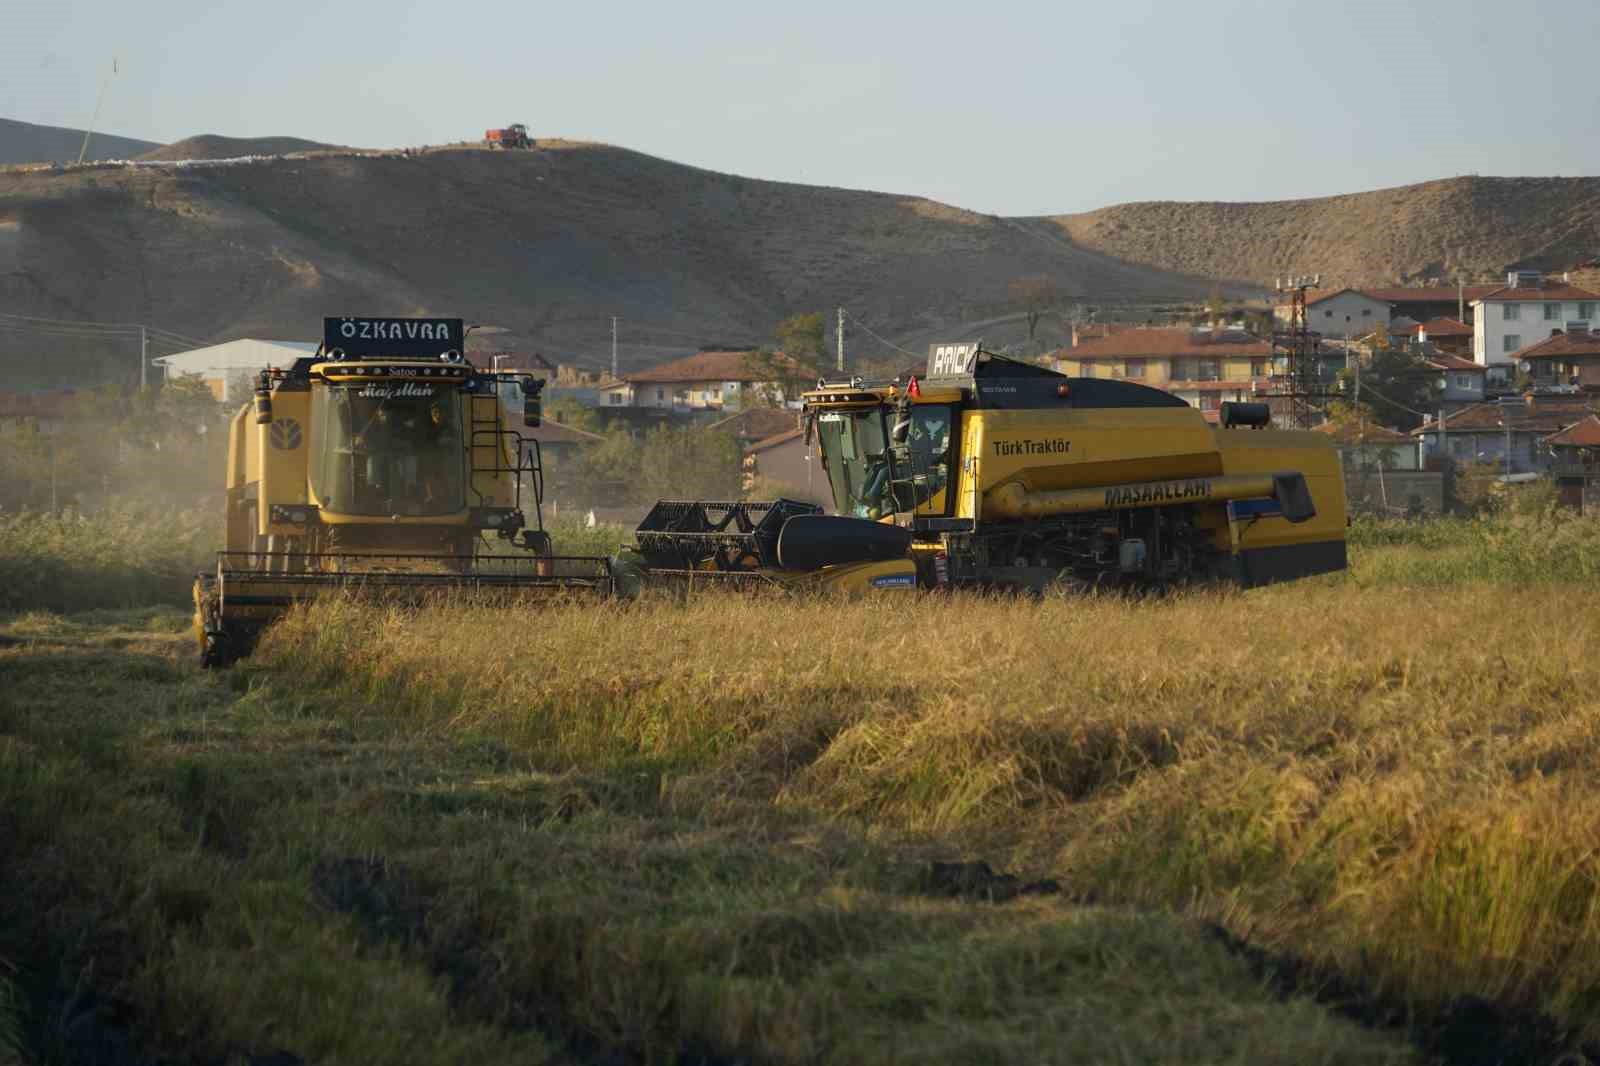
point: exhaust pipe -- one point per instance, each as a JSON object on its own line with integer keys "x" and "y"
{"x": 1014, "y": 501}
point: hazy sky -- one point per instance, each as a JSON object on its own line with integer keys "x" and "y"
{"x": 997, "y": 106}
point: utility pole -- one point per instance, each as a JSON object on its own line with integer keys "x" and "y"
{"x": 144, "y": 352}
{"x": 613, "y": 346}
{"x": 840, "y": 339}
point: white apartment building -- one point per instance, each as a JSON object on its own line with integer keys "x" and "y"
{"x": 1527, "y": 310}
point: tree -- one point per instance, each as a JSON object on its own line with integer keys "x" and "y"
{"x": 1395, "y": 387}
{"x": 1036, "y": 296}
{"x": 1214, "y": 307}
{"x": 783, "y": 373}
{"x": 800, "y": 337}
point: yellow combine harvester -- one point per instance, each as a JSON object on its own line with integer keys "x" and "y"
{"x": 993, "y": 473}
{"x": 380, "y": 463}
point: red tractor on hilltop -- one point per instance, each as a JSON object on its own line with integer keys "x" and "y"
{"x": 514, "y": 136}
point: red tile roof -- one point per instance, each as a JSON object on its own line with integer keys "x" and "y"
{"x": 1429, "y": 294}
{"x": 1530, "y": 294}
{"x": 757, "y": 423}
{"x": 1445, "y": 361}
{"x": 1546, "y": 414}
{"x": 1445, "y": 327}
{"x": 773, "y": 441}
{"x": 1246, "y": 385}
{"x": 57, "y": 403}
{"x": 1362, "y": 433}
{"x": 707, "y": 366}
{"x": 1143, "y": 343}
{"x": 1559, "y": 345}
{"x": 1581, "y": 434}
{"x": 551, "y": 432}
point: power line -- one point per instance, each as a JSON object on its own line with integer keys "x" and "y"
{"x": 117, "y": 328}
{"x": 869, "y": 332}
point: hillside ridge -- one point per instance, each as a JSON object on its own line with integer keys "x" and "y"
{"x": 1472, "y": 227}
{"x": 28, "y": 142}
{"x": 549, "y": 244}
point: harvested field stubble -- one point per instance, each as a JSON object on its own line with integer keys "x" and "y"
{"x": 1400, "y": 789}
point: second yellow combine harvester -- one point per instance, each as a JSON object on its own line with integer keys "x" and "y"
{"x": 992, "y": 473}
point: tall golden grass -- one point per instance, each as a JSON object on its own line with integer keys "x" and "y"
{"x": 1400, "y": 787}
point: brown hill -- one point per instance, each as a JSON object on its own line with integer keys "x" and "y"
{"x": 24, "y": 142}
{"x": 1393, "y": 236}
{"x": 546, "y": 244}
{"x": 212, "y": 146}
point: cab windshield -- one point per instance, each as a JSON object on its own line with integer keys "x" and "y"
{"x": 870, "y": 479}
{"x": 388, "y": 448}
{"x": 857, "y": 457}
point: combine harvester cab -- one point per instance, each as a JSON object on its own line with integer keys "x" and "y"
{"x": 990, "y": 473}
{"x": 382, "y": 463}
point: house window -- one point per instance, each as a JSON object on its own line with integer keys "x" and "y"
{"x": 1327, "y": 314}
{"x": 1133, "y": 368}
{"x": 1366, "y": 312}
{"x": 1552, "y": 312}
{"x": 1464, "y": 381}
{"x": 1512, "y": 312}
{"x": 1586, "y": 310}
{"x": 1208, "y": 369}
{"x": 1510, "y": 342}
{"x": 661, "y": 394}
{"x": 1210, "y": 401}
{"x": 1258, "y": 368}
{"x": 1180, "y": 370}
{"x": 616, "y": 399}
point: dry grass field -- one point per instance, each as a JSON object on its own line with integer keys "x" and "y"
{"x": 1347, "y": 821}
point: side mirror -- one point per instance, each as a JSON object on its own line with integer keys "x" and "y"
{"x": 532, "y": 408}
{"x": 901, "y": 431}
{"x": 263, "y": 404}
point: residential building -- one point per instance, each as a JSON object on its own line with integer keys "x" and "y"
{"x": 230, "y": 368}
{"x": 1086, "y": 331}
{"x": 1369, "y": 446}
{"x": 1431, "y": 301}
{"x": 1447, "y": 335}
{"x": 1457, "y": 382}
{"x": 783, "y": 465}
{"x": 1575, "y": 463}
{"x": 1202, "y": 366}
{"x": 1339, "y": 313}
{"x": 708, "y": 380}
{"x": 1585, "y": 274}
{"x": 1489, "y": 432}
{"x": 47, "y": 410}
{"x": 756, "y": 424}
{"x": 1564, "y": 359}
{"x": 1524, "y": 311}
{"x": 559, "y": 441}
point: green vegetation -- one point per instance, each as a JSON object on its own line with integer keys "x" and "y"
{"x": 120, "y": 557}
{"x": 1522, "y": 539}
{"x": 165, "y": 447}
